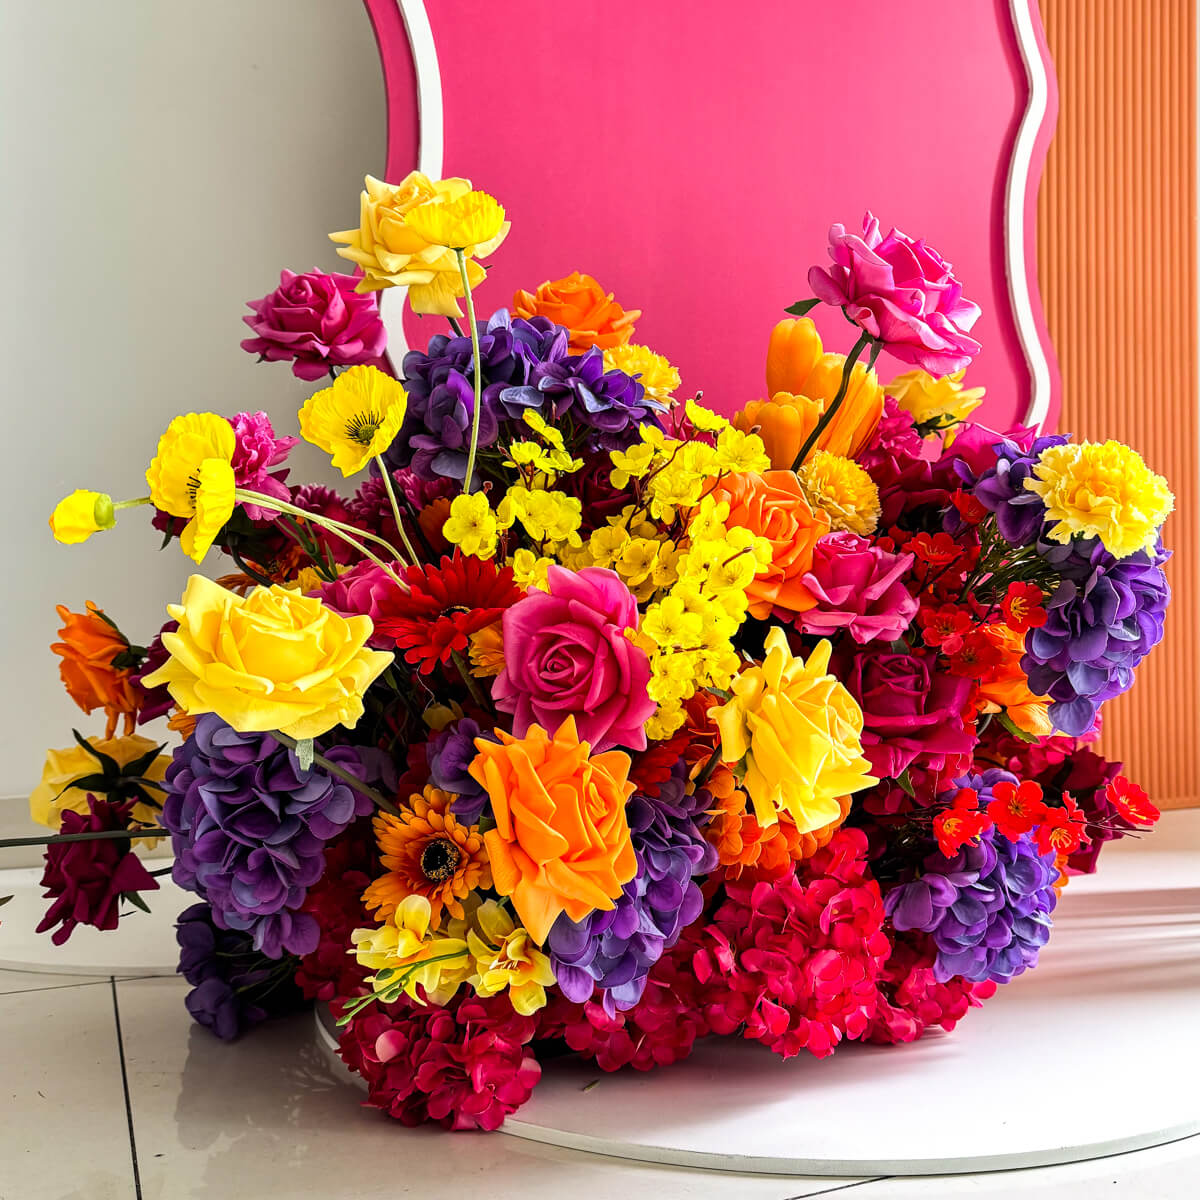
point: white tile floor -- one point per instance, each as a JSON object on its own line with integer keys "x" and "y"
{"x": 179, "y": 1115}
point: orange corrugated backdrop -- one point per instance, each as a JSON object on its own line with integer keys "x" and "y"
{"x": 1117, "y": 264}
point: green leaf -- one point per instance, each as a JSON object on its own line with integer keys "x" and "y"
{"x": 904, "y": 779}
{"x": 108, "y": 765}
{"x": 801, "y": 307}
{"x": 136, "y": 901}
{"x": 137, "y": 768}
{"x": 1012, "y": 727}
{"x": 4, "y": 900}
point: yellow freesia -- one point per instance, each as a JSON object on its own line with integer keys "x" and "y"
{"x": 356, "y": 419}
{"x": 405, "y": 956}
{"x": 506, "y": 957}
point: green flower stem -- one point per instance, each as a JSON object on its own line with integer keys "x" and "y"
{"x": 100, "y": 835}
{"x": 466, "y": 282}
{"x": 345, "y": 776}
{"x": 391, "y": 491}
{"x": 468, "y": 679}
{"x": 843, "y": 387}
{"x": 119, "y": 504}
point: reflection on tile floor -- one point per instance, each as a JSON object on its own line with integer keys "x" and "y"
{"x": 269, "y": 1118}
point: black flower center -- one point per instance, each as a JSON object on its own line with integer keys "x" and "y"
{"x": 440, "y": 859}
{"x": 362, "y": 427}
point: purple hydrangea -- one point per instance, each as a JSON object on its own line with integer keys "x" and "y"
{"x": 614, "y": 950}
{"x": 249, "y": 829}
{"x": 450, "y": 754}
{"x": 233, "y": 986}
{"x": 987, "y": 908}
{"x": 1020, "y": 514}
{"x": 1104, "y": 617}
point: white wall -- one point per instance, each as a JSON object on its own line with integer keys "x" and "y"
{"x": 161, "y": 162}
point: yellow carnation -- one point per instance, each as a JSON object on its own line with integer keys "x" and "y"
{"x": 76, "y": 517}
{"x": 1103, "y": 490}
{"x": 272, "y": 659}
{"x": 473, "y": 223}
{"x": 935, "y": 403}
{"x": 356, "y": 419}
{"x": 840, "y": 488}
{"x": 654, "y": 372}
{"x": 800, "y": 733}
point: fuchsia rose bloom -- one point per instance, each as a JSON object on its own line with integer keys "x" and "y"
{"x": 364, "y": 590}
{"x": 256, "y": 451}
{"x": 902, "y": 292}
{"x": 911, "y": 711}
{"x": 316, "y": 321}
{"x": 858, "y": 587}
{"x": 566, "y": 654}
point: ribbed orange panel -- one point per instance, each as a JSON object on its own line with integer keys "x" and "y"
{"x": 1117, "y": 263}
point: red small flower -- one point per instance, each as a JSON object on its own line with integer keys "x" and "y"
{"x": 1016, "y": 808}
{"x": 976, "y": 657}
{"x": 961, "y": 823}
{"x": 936, "y": 550}
{"x": 444, "y": 606}
{"x": 946, "y": 627}
{"x": 1062, "y": 830}
{"x": 1131, "y": 802}
{"x": 969, "y": 508}
{"x": 1022, "y": 607}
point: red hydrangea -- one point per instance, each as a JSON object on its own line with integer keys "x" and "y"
{"x": 465, "y": 1066}
{"x": 794, "y": 962}
{"x": 911, "y": 1001}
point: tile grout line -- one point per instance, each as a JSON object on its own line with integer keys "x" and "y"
{"x": 137, "y": 1178}
{"x": 841, "y": 1187}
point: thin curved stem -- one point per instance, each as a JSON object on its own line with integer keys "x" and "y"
{"x": 475, "y": 358}
{"x": 391, "y": 491}
{"x": 831, "y": 411}
{"x": 345, "y": 776}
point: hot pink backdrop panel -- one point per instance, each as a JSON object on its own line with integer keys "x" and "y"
{"x": 692, "y": 155}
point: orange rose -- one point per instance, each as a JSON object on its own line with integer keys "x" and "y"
{"x": 581, "y": 305}
{"x": 773, "y": 506}
{"x": 561, "y": 842}
{"x": 802, "y": 381}
{"x": 96, "y": 667}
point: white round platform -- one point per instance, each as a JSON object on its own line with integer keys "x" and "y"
{"x": 1096, "y": 1052}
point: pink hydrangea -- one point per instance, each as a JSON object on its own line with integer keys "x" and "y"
{"x": 858, "y": 587}
{"x": 255, "y": 452}
{"x": 794, "y": 962}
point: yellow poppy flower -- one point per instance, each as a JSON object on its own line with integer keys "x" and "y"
{"x": 77, "y": 516}
{"x": 191, "y": 476}
{"x": 356, "y": 419}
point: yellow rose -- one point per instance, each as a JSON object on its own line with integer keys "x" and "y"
{"x": 55, "y": 794}
{"x": 272, "y": 659}
{"x": 800, "y": 733}
{"x": 392, "y": 253}
{"x": 933, "y": 402}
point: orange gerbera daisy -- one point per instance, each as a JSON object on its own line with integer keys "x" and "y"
{"x": 427, "y": 853}
{"x": 746, "y": 847}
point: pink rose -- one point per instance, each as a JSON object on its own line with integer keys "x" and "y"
{"x": 566, "y": 654}
{"x": 912, "y": 713}
{"x": 902, "y": 292}
{"x": 364, "y": 590}
{"x": 316, "y": 321}
{"x": 256, "y": 451}
{"x": 858, "y": 588}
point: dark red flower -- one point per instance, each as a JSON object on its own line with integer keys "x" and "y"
{"x": 1016, "y": 808}
{"x": 444, "y": 606}
{"x": 1022, "y": 607}
{"x": 1131, "y": 802}
{"x": 86, "y": 880}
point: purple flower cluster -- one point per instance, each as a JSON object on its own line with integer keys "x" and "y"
{"x": 249, "y": 829}
{"x": 1104, "y": 617}
{"x": 526, "y": 364}
{"x": 233, "y": 986}
{"x": 614, "y": 950}
{"x": 450, "y": 753}
{"x": 1020, "y": 514}
{"x": 987, "y": 908}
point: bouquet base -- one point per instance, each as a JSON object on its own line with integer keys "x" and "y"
{"x": 1076, "y": 1060}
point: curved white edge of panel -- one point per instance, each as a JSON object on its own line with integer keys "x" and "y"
{"x": 1016, "y": 267}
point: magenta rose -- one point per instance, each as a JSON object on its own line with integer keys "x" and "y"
{"x": 902, "y": 292}
{"x": 364, "y": 590}
{"x": 317, "y": 322}
{"x": 859, "y": 588}
{"x": 566, "y": 654}
{"x": 912, "y": 713}
{"x": 86, "y": 880}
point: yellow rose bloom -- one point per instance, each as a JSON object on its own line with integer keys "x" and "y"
{"x": 77, "y": 516}
{"x": 505, "y": 956}
{"x": 272, "y": 659}
{"x": 1103, "y": 490}
{"x": 840, "y": 488}
{"x": 935, "y": 403}
{"x": 654, "y": 372}
{"x": 57, "y": 792}
{"x": 191, "y": 476}
{"x": 473, "y": 223}
{"x": 800, "y": 733}
{"x": 391, "y": 254}
{"x": 356, "y": 419}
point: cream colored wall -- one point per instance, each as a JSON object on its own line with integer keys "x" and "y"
{"x": 161, "y": 162}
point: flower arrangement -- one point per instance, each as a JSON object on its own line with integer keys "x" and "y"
{"x": 595, "y": 717}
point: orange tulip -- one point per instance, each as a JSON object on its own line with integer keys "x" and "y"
{"x": 89, "y": 648}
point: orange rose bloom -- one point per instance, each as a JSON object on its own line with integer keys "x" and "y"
{"x": 584, "y": 307}
{"x": 802, "y": 381}
{"x": 89, "y": 649}
{"x": 746, "y": 847}
{"x": 773, "y": 506}
{"x": 1007, "y": 686}
{"x": 561, "y": 842}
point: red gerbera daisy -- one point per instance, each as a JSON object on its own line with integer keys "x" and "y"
{"x": 1131, "y": 802}
{"x": 444, "y": 606}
